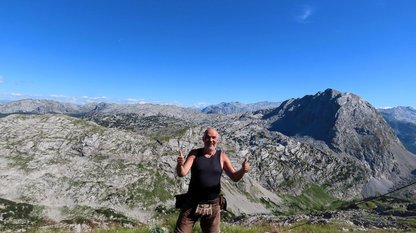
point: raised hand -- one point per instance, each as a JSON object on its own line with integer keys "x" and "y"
{"x": 181, "y": 159}
{"x": 246, "y": 165}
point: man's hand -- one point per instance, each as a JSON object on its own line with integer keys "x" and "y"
{"x": 183, "y": 165}
{"x": 180, "y": 160}
{"x": 246, "y": 165}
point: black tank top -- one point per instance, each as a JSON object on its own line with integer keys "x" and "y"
{"x": 206, "y": 174}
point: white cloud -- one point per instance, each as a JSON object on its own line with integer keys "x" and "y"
{"x": 12, "y": 96}
{"x": 90, "y": 99}
{"x": 16, "y": 94}
{"x": 136, "y": 101}
{"x": 57, "y": 96}
{"x": 201, "y": 105}
{"x": 64, "y": 98}
{"x": 77, "y": 99}
{"x": 1, "y": 79}
{"x": 305, "y": 13}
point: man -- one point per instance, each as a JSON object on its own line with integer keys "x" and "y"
{"x": 206, "y": 165}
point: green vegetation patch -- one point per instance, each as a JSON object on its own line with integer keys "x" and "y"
{"x": 17, "y": 215}
{"x": 113, "y": 216}
{"x": 410, "y": 222}
{"x": 22, "y": 162}
{"x": 313, "y": 197}
{"x": 88, "y": 215}
{"x": 150, "y": 190}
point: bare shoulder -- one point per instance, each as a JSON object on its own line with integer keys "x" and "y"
{"x": 224, "y": 157}
{"x": 226, "y": 164}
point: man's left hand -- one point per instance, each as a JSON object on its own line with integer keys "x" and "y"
{"x": 246, "y": 165}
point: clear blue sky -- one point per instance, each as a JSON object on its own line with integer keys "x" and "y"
{"x": 189, "y": 52}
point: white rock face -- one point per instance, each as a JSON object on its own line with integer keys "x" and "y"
{"x": 56, "y": 161}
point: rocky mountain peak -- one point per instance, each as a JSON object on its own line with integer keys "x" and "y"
{"x": 349, "y": 126}
{"x": 324, "y": 115}
{"x": 329, "y": 93}
{"x": 101, "y": 107}
{"x": 312, "y": 115}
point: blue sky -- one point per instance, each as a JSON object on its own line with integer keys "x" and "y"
{"x": 198, "y": 52}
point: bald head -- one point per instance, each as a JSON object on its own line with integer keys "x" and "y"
{"x": 210, "y": 138}
{"x": 210, "y": 131}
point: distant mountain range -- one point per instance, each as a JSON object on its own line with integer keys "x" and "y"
{"x": 237, "y": 107}
{"x": 31, "y": 106}
{"x": 83, "y": 161}
{"x": 36, "y": 106}
{"x": 403, "y": 122}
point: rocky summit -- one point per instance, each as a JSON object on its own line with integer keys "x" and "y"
{"x": 67, "y": 162}
{"x": 350, "y": 127}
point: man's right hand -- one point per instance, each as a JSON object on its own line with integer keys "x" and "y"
{"x": 181, "y": 159}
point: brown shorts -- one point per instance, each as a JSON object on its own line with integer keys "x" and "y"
{"x": 187, "y": 219}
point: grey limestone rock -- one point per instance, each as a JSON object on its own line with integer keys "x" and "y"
{"x": 122, "y": 157}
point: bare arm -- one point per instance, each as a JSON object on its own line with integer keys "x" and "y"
{"x": 229, "y": 168}
{"x": 183, "y": 166}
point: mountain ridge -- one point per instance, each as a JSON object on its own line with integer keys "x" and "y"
{"x": 348, "y": 125}
{"x": 238, "y": 107}
{"x": 123, "y": 159}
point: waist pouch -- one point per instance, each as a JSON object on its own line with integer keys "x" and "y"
{"x": 223, "y": 202}
{"x": 180, "y": 200}
{"x": 203, "y": 209}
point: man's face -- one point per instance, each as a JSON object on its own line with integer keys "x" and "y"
{"x": 210, "y": 139}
